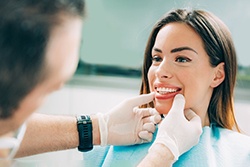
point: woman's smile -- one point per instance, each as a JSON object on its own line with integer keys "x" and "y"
{"x": 164, "y": 92}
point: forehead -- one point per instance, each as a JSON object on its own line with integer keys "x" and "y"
{"x": 178, "y": 34}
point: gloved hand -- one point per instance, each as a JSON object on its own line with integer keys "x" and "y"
{"x": 177, "y": 131}
{"x": 126, "y": 124}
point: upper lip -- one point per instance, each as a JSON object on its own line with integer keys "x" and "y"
{"x": 166, "y": 88}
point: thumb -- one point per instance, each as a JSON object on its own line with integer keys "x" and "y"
{"x": 140, "y": 100}
{"x": 178, "y": 104}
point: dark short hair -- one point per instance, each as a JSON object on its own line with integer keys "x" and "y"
{"x": 219, "y": 46}
{"x": 25, "y": 27}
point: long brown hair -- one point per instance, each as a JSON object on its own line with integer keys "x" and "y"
{"x": 218, "y": 45}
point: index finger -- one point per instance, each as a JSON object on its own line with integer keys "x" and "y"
{"x": 189, "y": 114}
{"x": 142, "y": 99}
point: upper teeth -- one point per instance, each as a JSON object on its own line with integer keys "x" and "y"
{"x": 162, "y": 90}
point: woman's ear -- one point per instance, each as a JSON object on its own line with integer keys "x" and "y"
{"x": 219, "y": 75}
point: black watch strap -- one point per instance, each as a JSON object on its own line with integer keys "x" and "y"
{"x": 84, "y": 127}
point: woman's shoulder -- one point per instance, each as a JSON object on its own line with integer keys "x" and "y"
{"x": 223, "y": 133}
{"x": 224, "y": 137}
{"x": 218, "y": 147}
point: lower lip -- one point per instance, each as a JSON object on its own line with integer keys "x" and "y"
{"x": 165, "y": 96}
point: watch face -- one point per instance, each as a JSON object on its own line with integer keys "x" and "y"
{"x": 84, "y": 117}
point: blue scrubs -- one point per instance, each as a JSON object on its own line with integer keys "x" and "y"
{"x": 217, "y": 147}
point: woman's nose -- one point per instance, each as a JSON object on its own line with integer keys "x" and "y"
{"x": 164, "y": 71}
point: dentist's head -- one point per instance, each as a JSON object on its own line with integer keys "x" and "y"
{"x": 39, "y": 47}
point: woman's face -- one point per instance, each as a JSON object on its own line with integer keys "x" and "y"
{"x": 180, "y": 65}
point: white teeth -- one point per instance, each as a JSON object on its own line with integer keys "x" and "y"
{"x": 163, "y": 90}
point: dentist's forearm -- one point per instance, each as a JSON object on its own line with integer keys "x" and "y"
{"x": 46, "y": 133}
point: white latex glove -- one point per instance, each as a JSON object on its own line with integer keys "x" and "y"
{"x": 177, "y": 131}
{"x": 126, "y": 124}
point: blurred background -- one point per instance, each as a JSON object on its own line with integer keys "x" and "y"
{"x": 115, "y": 33}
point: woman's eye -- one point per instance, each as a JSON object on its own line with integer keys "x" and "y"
{"x": 156, "y": 59}
{"x": 182, "y": 59}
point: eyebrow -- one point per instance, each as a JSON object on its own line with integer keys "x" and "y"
{"x": 176, "y": 49}
{"x": 182, "y": 48}
{"x": 157, "y": 50}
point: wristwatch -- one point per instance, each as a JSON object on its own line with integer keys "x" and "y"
{"x": 84, "y": 127}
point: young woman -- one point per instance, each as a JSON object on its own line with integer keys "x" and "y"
{"x": 191, "y": 52}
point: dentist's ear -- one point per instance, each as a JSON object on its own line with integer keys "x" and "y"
{"x": 219, "y": 75}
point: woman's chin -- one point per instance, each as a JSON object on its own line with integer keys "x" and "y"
{"x": 162, "y": 109}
